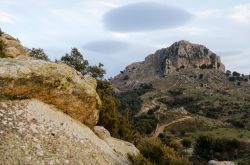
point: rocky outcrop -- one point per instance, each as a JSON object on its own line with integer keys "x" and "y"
{"x": 32, "y": 132}
{"x": 180, "y": 55}
{"x": 52, "y": 83}
{"x": 13, "y": 47}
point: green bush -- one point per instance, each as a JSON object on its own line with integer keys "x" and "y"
{"x": 140, "y": 160}
{"x": 117, "y": 124}
{"x": 155, "y": 151}
{"x": 39, "y": 54}
{"x": 145, "y": 123}
{"x": 130, "y": 101}
{"x": 216, "y": 148}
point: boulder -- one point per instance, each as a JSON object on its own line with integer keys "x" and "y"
{"x": 214, "y": 162}
{"x": 13, "y": 46}
{"x": 118, "y": 145}
{"x": 52, "y": 83}
{"x": 32, "y": 132}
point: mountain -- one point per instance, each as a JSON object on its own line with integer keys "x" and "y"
{"x": 180, "y": 55}
{"x": 49, "y": 112}
{"x": 182, "y": 92}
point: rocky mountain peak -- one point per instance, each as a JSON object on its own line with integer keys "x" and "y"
{"x": 180, "y": 55}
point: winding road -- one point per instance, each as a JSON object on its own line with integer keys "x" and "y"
{"x": 162, "y": 127}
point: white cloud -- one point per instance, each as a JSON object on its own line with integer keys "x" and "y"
{"x": 203, "y": 14}
{"x": 241, "y": 14}
{"x": 190, "y": 30}
{"x": 108, "y": 4}
{"x": 7, "y": 18}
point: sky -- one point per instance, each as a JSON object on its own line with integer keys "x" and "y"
{"x": 120, "y": 32}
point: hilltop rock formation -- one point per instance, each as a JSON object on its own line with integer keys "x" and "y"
{"x": 13, "y": 46}
{"x": 180, "y": 55}
{"x": 32, "y": 132}
{"x": 57, "y": 84}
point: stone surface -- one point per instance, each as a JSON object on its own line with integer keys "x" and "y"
{"x": 32, "y": 132}
{"x": 118, "y": 145}
{"x": 13, "y": 46}
{"x": 52, "y": 83}
{"x": 214, "y": 162}
{"x": 180, "y": 55}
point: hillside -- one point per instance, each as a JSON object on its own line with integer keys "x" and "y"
{"x": 183, "y": 91}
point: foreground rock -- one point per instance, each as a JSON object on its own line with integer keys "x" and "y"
{"x": 180, "y": 55}
{"x": 214, "y": 162}
{"x": 124, "y": 147}
{"x": 32, "y": 132}
{"x": 56, "y": 84}
{"x": 13, "y": 46}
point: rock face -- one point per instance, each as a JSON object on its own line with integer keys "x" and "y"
{"x": 13, "y": 46}
{"x": 32, "y": 132}
{"x": 180, "y": 55}
{"x": 52, "y": 83}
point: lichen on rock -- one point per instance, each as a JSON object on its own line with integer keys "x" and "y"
{"x": 52, "y": 83}
{"x": 32, "y": 132}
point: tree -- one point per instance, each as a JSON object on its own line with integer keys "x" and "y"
{"x": 110, "y": 117}
{"x": 236, "y": 74}
{"x": 75, "y": 60}
{"x": 228, "y": 73}
{"x": 97, "y": 72}
{"x": 39, "y": 54}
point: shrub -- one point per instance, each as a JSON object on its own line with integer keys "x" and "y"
{"x": 110, "y": 117}
{"x": 97, "y": 71}
{"x": 75, "y": 60}
{"x": 216, "y": 148}
{"x": 228, "y": 73}
{"x": 145, "y": 123}
{"x": 155, "y": 151}
{"x": 130, "y": 101}
{"x": 139, "y": 160}
{"x": 39, "y": 54}
{"x": 236, "y": 74}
